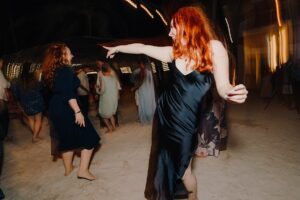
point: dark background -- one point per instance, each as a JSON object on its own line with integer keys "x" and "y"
{"x": 25, "y": 24}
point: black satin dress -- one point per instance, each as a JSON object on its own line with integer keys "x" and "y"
{"x": 174, "y": 134}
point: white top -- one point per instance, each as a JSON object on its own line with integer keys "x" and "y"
{"x": 99, "y": 80}
{"x": 3, "y": 85}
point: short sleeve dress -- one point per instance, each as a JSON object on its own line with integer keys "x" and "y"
{"x": 70, "y": 135}
{"x": 174, "y": 133}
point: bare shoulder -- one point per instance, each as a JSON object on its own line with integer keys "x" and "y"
{"x": 217, "y": 48}
{"x": 219, "y": 54}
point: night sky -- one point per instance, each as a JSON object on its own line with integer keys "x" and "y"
{"x": 35, "y": 22}
{"x": 26, "y": 24}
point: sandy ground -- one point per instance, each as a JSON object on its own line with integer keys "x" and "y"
{"x": 262, "y": 161}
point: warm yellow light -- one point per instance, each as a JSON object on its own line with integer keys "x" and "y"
{"x": 132, "y": 3}
{"x": 162, "y": 18}
{"x": 283, "y": 44}
{"x": 278, "y": 14}
{"x": 147, "y": 11}
{"x": 272, "y": 52}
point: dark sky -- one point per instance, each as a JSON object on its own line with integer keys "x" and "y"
{"x": 26, "y": 24}
{"x": 33, "y": 22}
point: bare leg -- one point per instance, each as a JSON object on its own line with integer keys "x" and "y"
{"x": 113, "y": 122}
{"x": 30, "y": 122}
{"x": 107, "y": 123}
{"x": 68, "y": 161}
{"x": 85, "y": 159}
{"x": 190, "y": 183}
{"x": 37, "y": 125}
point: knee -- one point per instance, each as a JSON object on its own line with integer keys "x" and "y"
{"x": 187, "y": 174}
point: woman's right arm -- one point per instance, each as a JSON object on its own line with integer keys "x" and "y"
{"x": 79, "y": 118}
{"x": 163, "y": 54}
{"x": 65, "y": 82}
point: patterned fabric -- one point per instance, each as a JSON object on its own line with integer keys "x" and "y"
{"x": 212, "y": 134}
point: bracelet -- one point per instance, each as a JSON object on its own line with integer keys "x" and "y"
{"x": 78, "y": 112}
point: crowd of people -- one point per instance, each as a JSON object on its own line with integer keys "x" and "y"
{"x": 62, "y": 94}
{"x": 198, "y": 61}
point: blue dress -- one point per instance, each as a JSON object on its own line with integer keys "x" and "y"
{"x": 70, "y": 135}
{"x": 31, "y": 99}
{"x": 174, "y": 133}
{"x": 146, "y": 98}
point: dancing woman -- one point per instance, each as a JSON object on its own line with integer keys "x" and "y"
{"x": 196, "y": 57}
{"x": 72, "y": 126}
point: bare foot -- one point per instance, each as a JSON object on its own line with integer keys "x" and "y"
{"x": 35, "y": 139}
{"x": 86, "y": 175}
{"x": 108, "y": 131}
{"x": 68, "y": 171}
{"x": 40, "y": 137}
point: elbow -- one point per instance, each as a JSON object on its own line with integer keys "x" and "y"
{"x": 69, "y": 98}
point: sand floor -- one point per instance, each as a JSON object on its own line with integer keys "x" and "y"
{"x": 262, "y": 161}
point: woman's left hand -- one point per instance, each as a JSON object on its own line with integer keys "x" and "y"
{"x": 237, "y": 94}
{"x": 79, "y": 119}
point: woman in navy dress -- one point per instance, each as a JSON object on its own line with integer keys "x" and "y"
{"x": 73, "y": 128}
{"x": 196, "y": 57}
{"x": 28, "y": 91}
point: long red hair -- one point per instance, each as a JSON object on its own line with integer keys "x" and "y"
{"x": 194, "y": 28}
{"x": 55, "y": 57}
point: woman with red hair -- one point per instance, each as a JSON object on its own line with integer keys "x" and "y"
{"x": 196, "y": 57}
{"x": 73, "y": 128}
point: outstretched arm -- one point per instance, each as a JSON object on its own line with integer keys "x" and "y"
{"x": 160, "y": 53}
{"x": 238, "y": 93}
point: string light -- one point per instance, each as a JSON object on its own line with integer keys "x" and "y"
{"x": 162, "y": 18}
{"x": 132, "y": 3}
{"x": 147, "y": 11}
{"x": 278, "y": 13}
{"x": 228, "y": 28}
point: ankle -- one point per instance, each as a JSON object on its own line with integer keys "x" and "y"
{"x": 68, "y": 170}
